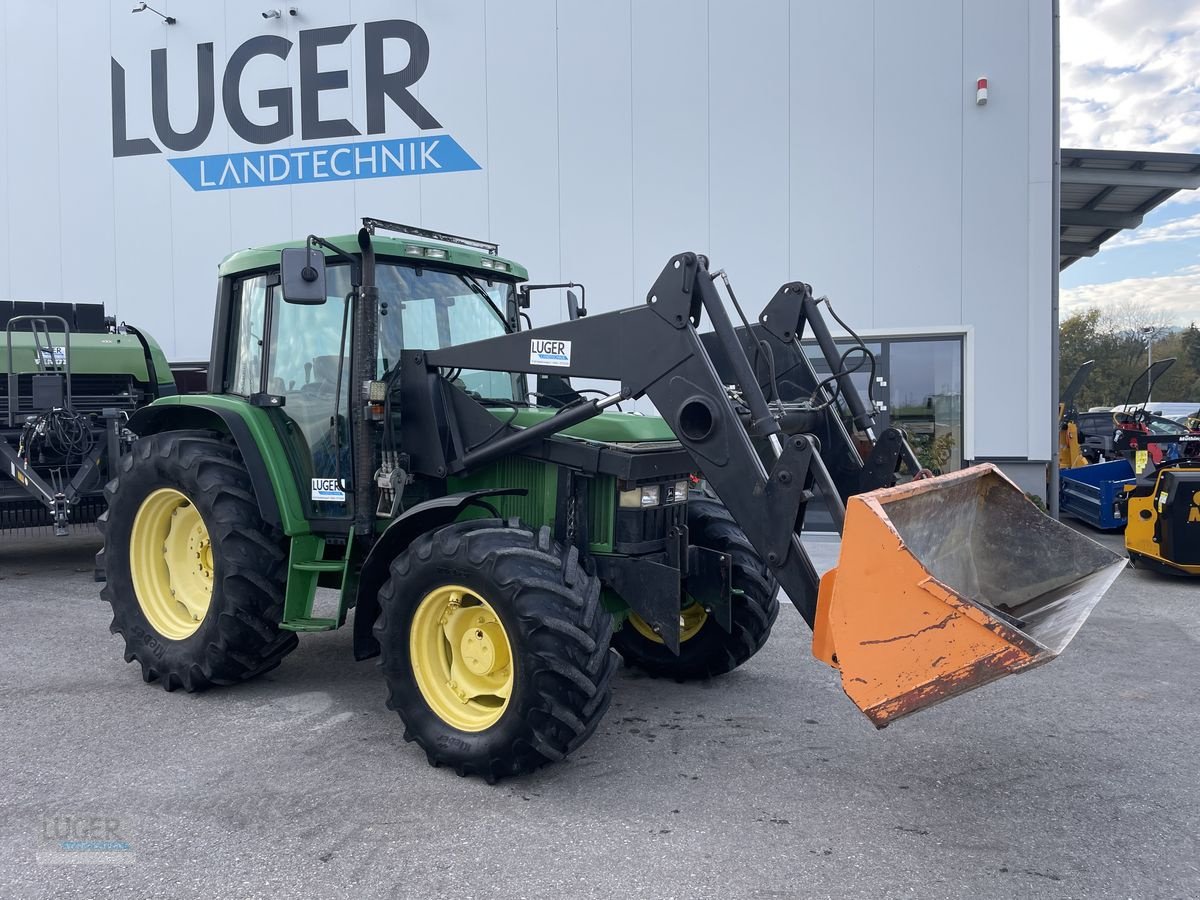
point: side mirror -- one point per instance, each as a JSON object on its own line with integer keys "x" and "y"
{"x": 575, "y": 310}
{"x": 302, "y": 273}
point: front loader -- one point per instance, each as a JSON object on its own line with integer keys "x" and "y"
{"x": 369, "y": 428}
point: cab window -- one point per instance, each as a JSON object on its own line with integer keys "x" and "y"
{"x": 243, "y": 366}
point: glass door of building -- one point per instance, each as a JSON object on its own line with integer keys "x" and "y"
{"x": 916, "y": 385}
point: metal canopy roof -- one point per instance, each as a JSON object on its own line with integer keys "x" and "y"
{"x": 1104, "y": 191}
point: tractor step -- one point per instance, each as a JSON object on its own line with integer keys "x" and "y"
{"x": 310, "y": 624}
{"x": 306, "y": 566}
{"x": 320, "y": 565}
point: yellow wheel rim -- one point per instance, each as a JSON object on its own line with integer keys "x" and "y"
{"x": 461, "y": 658}
{"x": 171, "y": 561}
{"x": 691, "y": 620}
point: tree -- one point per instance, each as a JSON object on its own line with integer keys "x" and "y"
{"x": 1130, "y": 320}
{"x": 1116, "y": 340}
{"x": 1189, "y": 340}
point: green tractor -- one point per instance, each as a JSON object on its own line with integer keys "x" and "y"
{"x": 369, "y": 428}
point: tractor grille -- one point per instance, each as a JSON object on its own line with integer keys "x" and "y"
{"x": 89, "y": 393}
{"x": 534, "y": 508}
{"x": 538, "y": 505}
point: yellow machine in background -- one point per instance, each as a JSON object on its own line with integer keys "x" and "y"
{"x": 1163, "y": 530}
{"x": 1070, "y": 454}
{"x": 1152, "y": 489}
{"x": 1162, "y": 505}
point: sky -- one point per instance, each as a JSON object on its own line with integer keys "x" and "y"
{"x": 1131, "y": 81}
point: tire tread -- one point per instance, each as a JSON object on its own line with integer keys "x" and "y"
{"x": 568, "y": 671}
{"x": 246, "y": 640}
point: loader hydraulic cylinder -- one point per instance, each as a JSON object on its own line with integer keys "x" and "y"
{"x": 518, "y": 440}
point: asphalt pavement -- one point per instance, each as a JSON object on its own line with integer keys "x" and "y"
{"x": 1077, "y": 779}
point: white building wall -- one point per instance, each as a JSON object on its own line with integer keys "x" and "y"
{"x": 836, "y": 143}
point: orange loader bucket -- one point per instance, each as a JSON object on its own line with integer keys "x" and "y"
{"x": 948, "y": 583}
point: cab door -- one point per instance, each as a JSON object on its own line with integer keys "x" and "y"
{"x": 308, "y": 365}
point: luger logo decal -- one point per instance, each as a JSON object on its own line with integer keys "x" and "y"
{"x": 381, "y": 158}
{"x": 549, "y": 353}
{"x": 328, "y": 489}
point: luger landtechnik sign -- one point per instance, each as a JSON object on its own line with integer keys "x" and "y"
{"x": 310, "y": 162}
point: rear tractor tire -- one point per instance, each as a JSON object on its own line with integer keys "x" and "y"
{"x": 495, "y": 647}
{"x": 705, "y": 648}
{"x": 194, "y": 576}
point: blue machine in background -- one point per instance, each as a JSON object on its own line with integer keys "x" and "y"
{"x": 1093, "y": 493}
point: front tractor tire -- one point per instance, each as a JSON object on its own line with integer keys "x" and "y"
{"x": 705, "y": 648}
{"x": 194, "y": 576}
{"x": 495, "y": 648}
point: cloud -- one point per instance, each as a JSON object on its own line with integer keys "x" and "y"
{"x": 1182, "y": 198}
{"x": 1175, "y": 298}
{"x": 1185, "y": 229}
{"x": 1131, "y": 74}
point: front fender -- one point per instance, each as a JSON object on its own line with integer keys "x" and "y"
{"x": 427, "y": 516}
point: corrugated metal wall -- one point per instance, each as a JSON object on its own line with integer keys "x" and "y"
{"x": 838, "y": 143}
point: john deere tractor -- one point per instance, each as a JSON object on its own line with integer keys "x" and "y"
{"x": 370, "y": 427}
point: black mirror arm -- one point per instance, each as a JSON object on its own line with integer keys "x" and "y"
{"x": 525, "y": 290}
{"x": 355, "y": 264}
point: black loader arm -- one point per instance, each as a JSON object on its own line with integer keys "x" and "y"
{"x": 824, "y": 408}
{"x": 654, "y": 350}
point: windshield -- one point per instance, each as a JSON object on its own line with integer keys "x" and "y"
{"x": 1158, "y": 425}
{"x": 437, "y": 309}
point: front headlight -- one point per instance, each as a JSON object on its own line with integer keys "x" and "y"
{"x": 640, "y": 497}
{"x": 677, "y": 492}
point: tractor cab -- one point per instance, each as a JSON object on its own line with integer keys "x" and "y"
{"x": 296, "y": 356}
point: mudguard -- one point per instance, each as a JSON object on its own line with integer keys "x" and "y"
{"x": 424, "y": 517}
{"x": 278, "y": 500}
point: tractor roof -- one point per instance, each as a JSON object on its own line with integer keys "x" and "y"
{"x": 405, "y": 248}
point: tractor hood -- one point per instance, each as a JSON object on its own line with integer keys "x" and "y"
{"x": 608, "y": 427}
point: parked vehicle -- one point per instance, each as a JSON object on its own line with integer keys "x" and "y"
{"x": 70, "y": 378}
{"x": 368, "y": 428}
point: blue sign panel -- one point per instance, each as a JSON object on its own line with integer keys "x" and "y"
{"x": 425, "y": 155}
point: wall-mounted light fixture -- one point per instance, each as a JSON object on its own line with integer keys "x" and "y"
{"x": 981, "y": 88}
{"x": 142, "y": 7}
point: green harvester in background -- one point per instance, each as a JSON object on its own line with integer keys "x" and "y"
{"x": 70, "y": 378}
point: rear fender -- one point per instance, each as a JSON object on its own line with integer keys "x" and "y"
{"x": 266, "y": 462}
{"x": 427, "y": 516}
